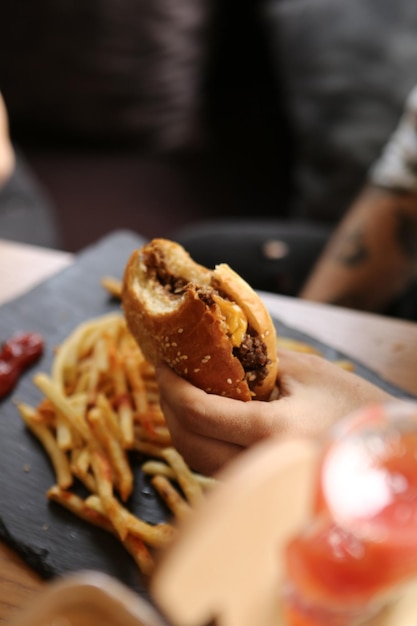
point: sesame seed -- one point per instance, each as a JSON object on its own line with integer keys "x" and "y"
{"x": 229, "y": 381}
{"x": 180, "y": 330}
{"x": 197, "y": 369}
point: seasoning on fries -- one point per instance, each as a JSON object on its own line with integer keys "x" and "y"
{"x": 101, "y": 405}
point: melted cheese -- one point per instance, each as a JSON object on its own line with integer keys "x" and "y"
{"x": 234, "y": 318}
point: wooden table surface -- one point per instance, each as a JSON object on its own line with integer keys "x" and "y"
{"x": 386, "y": 345}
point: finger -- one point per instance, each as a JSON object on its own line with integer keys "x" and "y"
{"x": 208, "y": 456}
{"x": 298, "y": 365}
{"x": 214, "y": 417}
{"x": 202, "y": 454}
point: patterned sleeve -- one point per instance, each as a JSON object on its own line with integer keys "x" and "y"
{"x": 397, "y": 166}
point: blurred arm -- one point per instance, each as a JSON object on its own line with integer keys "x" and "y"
{"x": 372, "y": 256}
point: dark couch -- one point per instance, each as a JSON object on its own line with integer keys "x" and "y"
{"x": 156, "y": 115}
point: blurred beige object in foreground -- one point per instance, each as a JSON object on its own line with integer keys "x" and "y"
{"x": 226, "y": 563}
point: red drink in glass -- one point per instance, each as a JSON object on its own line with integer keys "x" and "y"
{"x": 361, "y": 544}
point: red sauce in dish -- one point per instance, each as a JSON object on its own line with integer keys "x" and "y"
{"x": 17, "y": 354}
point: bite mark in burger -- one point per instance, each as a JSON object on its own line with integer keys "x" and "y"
{"x": 210, "y": 326}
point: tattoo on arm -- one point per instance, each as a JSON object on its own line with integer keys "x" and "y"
{"x": 406, "y": 234}
{"x": 351, "y": 250}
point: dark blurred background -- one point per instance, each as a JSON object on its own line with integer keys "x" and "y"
{"x": 146, "y": 125}
{"x": 155, "y": 114}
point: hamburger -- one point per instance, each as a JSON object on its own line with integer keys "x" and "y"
{"x": 209, "y": 326}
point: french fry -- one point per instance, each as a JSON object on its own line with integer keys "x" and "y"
{"x": 116, "y": 454}
{"x": 138, "y": 388}
{"x": 296, "y": 345}
{"x": 174, "y": 501}
{"x": 112, "y": 285}
{"x": 98, "y": 365}
{"x": 123, "y": 401}
{"x": 155, "y": 414}
{"x": 102, "y": 472}
{"x": 64, "y": 435}
{"x": 148, "y": 373}
{"x": 140, "y": 553}
{"x": 79, "y": 507}
{"x": 115, "y": 513}
{"x": 111, "y": 507}
{"x": 44, "y": 434}
{"x": 157, "y": 536}
{"x": 345, "y": 364}
{"x": 86, "y": 478}
{"x": 80, "y": 459}
{"x": 110, "y": 416}
{"x": 47, "y": 386}
{"x": 159, "y": 435}
{"x": 155, "y": 468}
{"x": 187, "y": 481}
{"x": 46, "y": 412}
{"x": 80, "y": 467}
{"x": 150, "y": 449}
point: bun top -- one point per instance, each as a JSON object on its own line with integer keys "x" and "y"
{"x": 200, "y": 321}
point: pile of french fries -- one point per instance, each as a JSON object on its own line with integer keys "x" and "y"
{"x": 100, "y": 404}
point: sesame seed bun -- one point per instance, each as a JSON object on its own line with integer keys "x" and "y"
{"x": 210, "y": 326}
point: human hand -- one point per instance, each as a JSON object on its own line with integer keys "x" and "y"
{"x": 210, "y": 430}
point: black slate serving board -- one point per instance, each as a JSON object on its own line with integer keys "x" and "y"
{"x": 50, "y": 539}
